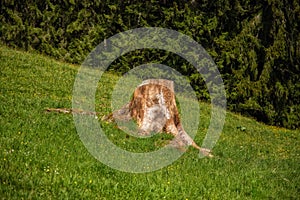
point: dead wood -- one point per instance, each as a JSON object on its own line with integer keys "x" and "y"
{"x": 70, "y": 111}
{"x": 154, "y": 109}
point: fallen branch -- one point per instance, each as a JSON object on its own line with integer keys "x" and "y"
{"x": 70, "y": 111}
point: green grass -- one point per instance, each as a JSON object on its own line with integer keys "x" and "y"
{"x": 42, "y": 157}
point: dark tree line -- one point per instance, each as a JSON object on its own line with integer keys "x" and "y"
{"x": 256, "y": 44}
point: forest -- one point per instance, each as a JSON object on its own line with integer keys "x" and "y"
{"x": 255, "y": 44}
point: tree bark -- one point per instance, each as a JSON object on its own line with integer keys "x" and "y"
{"x": 153, "y": 107}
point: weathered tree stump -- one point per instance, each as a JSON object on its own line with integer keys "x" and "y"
{"x": 154, "y": 109}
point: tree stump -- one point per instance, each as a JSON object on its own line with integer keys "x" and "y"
{"x": 153, "y": 107}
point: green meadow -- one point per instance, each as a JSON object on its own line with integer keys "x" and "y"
{"x": 42, "y": 156}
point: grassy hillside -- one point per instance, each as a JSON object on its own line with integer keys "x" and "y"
{"x": 42, "y": 156}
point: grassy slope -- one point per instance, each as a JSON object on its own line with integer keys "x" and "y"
{"x": 41, "y": 155}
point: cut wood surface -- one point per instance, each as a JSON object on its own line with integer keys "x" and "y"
{"x": 153, "y": 107}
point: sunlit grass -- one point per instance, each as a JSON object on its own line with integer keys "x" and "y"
{"x": 42, "y": 157}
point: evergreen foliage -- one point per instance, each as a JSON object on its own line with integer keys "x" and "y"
{"x": 256, "y": 44}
